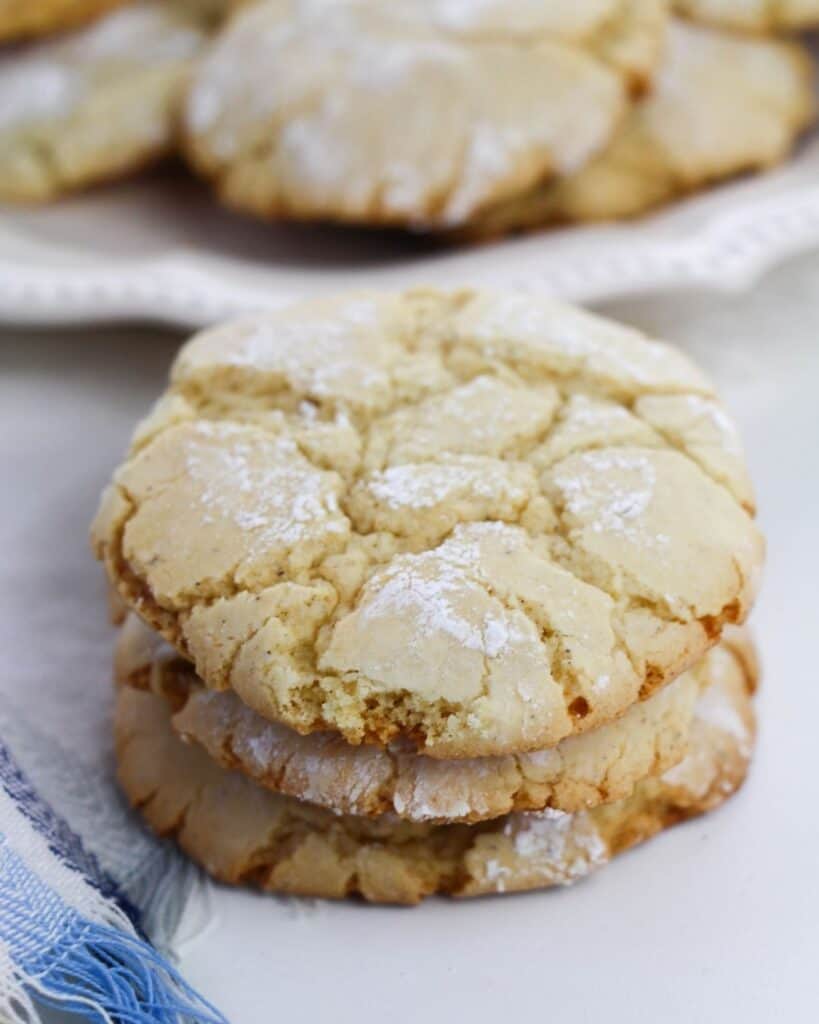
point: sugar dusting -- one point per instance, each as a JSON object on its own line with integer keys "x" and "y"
{"x": 555, "y": 330}
{"x": 719, "y": 711}
{"x": 718, "y": 421}
{"x": 431, "y": 592}
{"x": 488, "y": 158}
{"x": 262, "y": 484}
{"x": 554, "y": 847}
{"x": 48, "y": 80}
{"x": 527, "y": 20}
{"x": 369, "y": 61}
{"x": 145, "y": 32}
{"x": 318, "y": 356}
{"x": 611, "y": 490}
{"x": 427, "y": 484}
{"x": 427, "y": 802}
{"x": 34, "y": 90}
{"x": 594, "y": 413}
{"x": 485, "y": 417}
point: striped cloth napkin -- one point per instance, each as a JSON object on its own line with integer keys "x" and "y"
{"x": 88, "y": 900}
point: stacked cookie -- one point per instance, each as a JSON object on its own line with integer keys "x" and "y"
{"x": 464, "y": 120}
{"x": 440, "y": 589}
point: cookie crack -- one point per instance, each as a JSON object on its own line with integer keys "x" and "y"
{"x": 680, "y": 446}
{"x": 429, "y": 328}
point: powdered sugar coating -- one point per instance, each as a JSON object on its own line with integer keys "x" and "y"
{"x": 258, "y": 488}
{"x": 560, "y": 19}
{"x": 723, "y": 103}
{"x": 35, "y": 89}
{"x": 425, "y": 485}
{"x": 469, "y": 521}
{"x": 50, "y": 79}
{"x": 85, "y": 106}
{"x": 611, "y": 489}
{"x": 280, "y": 140}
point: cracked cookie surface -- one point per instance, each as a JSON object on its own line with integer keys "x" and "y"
{"x": 352, "y": 139}
{"x": 244, "y": 834}
{"x": 304, "y": 518}
{"x": 581, "y": 772}
{"x": 721, "y": 104}
{"x": 98, "y": 103}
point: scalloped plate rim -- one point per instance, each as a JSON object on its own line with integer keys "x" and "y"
{"x": 728, "y": 250}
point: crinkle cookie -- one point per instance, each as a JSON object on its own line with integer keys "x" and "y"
{"x": 94, "y": 105}
{"x": 578, "y": 773}
{"x": 315, "y": 109}
{"x": 242, "y": 833}
{"x": 753, "y": 15}
{"x": 721, "y": 105}
{"x": 481, "y": 522}
{"x": 20, "y": 18}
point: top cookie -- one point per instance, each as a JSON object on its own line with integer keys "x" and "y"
{"x": 482, "y": 522}
{"x": 753, "y": 15}
{"x": 315, "y": 109}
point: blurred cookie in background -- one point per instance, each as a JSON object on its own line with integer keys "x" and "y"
{"x": 414, "y": 113}
{"x": 97, "y": 103}
{"x": 722, "y": 104}
{"x": 465, "y": 121}
{"x": 626, "y": 33}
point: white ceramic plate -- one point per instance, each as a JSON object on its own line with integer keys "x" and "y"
{"x": 161, "y": 249}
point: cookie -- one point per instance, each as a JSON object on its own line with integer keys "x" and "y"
{"x": 314, "y": 109}
{"x": 242, "y": 833}
{"x": 474, "y": 521}
{"x": 19, "y": 18}
{"x": 96, "y": 104}
{"x": 580, "y": 772}
{"x": 721, "y": 105}
{"x": 753, "y": 15}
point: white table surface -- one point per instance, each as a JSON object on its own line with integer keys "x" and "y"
{"x": 716, "y": 921}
